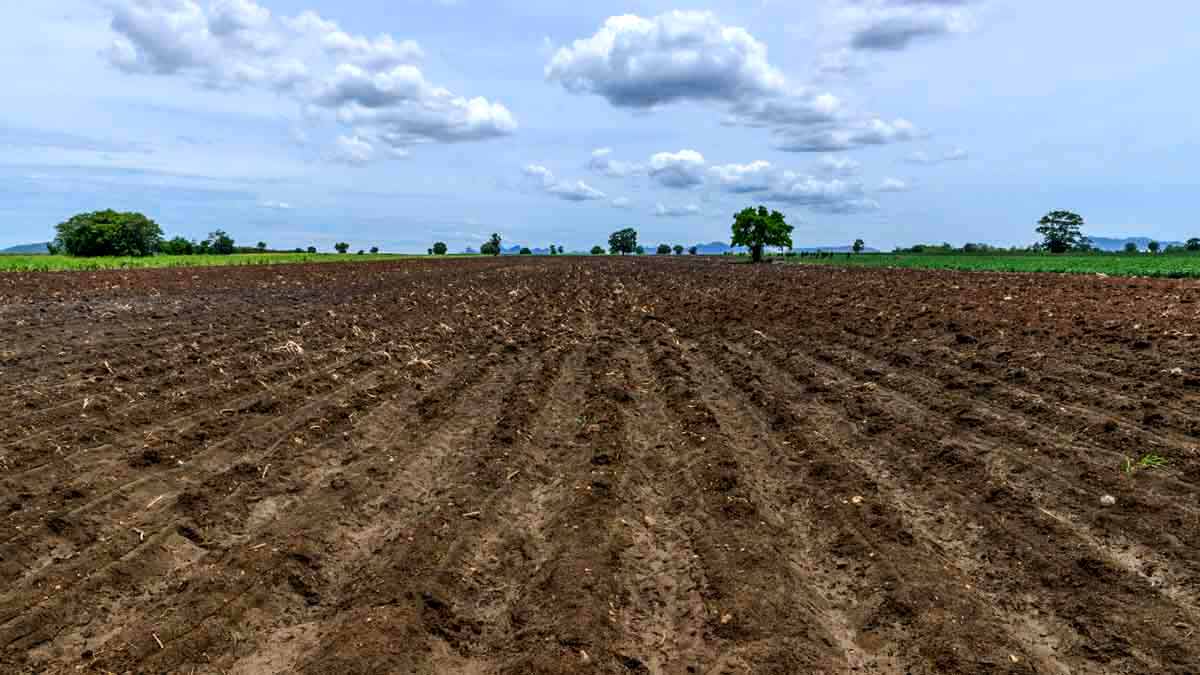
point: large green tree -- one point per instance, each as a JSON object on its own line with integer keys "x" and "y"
{"x": 1062, "y": 231}
{"x": 623, "y": 241}
{"x": 759, "y": 228}
{"x": 105, "y": 233}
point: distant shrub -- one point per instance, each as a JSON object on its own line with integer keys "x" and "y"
{"x": 341, "y": 247}
{"x": 177, "y": 246}
{"x": 663, "y": 249}
{"x": 440, "y": 248}
{"x": 596, "y": 250}
{"x": 374, "y": 250}
{"x": 312, "y": 249}
{"x": 525, "y": 251}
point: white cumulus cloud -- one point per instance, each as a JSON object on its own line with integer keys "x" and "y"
{"x": 683, "y": 169}
{"x": 576, "y": 191}
{"x": 676, "y": 211}
{"x": 371, "y": 84}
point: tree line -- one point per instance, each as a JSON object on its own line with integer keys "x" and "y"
{"x": 112, "y": 233}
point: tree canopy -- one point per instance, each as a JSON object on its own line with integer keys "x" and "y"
{"x": 440, "y": 248}
{"x": 597, "y": 250}
{"x": 759, "y": 228}
{"x": 108, "y": 233}
{"x": 859, "y": 245}
{"x": 221, "y": 243}
{"x": 1062, "y": 231}
{"x": 623, "y": 241}
{"x": 341, "y": 247}
{"x": 491, "y": 246}
{"x": 663, "y": 249}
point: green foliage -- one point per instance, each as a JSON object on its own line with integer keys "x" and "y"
{"x": 640, "y": 250}
{"x": 177, "y": 246}
{"x": 341, "y": 247}
{"x": 1131, "y": 247}
{"x": 108, "y": 233}
{"x": 53, "y": 249}
{"x": 597, "y": 250}
{"x": 1146, "y": 462}
{"x": 526, "y": 251}
{"x": 374, "y": 250}
{"x": 623, "y": 241}
{"x": 261, "y": 246}
{"x": 554, "y": 250}
{"x": 491, "y": 246}
{"x": 678, "y": 249}
{"x": 312, "y": 249}
{"x": 1192, "y": 244}
{"x": 220, "y": 243}
{"x": 440, "y": 248}
{"x": 1153, "y": 247}
{"x": 693, "y": 250}
{"x": 757, "y": 229}
{"x": 1062, "y": 231}
{"x": 50, "y": 263}
{"x": 1113, "y": 264}
{"x": 859, "y": 245}
{"x": 663, "y": 249}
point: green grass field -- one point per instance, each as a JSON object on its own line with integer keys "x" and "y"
{"x": 58, "y": 263}
{"x": 1173, "y": 265}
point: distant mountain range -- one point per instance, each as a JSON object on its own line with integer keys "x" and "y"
{"x": 1116, "y": 244}
{"x": 26, "y": 249}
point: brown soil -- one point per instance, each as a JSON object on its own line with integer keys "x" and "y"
{"x": 597, "y": 466}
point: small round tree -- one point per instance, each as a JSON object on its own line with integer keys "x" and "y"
{"x": 374, "y": 250}
{"x": 261, "y": 246}
{"x": 341, "y": 247}
{"x": 1153, "y": 247}
{"x": 312, "y": 250}
{"x": 859, "y": 245}
{"x": 663, "y": 249}
{"x": 597, "y": 250}
{"x": 678, "y": 248}
{"x": 1192, "y": 244}
{"x": 491, "y": 246}
{"x": 1131, "y": 247}
{"x": 525, "y": 250}
{"x": 440, "y": 248}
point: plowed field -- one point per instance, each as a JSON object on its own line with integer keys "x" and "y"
{"x": 597, "y": 466}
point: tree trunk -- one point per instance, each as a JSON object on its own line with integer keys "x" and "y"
{"x": 756, "y": 253}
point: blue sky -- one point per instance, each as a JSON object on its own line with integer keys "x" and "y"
{"x": 400, "y": 122}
